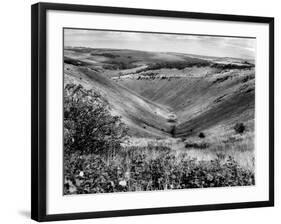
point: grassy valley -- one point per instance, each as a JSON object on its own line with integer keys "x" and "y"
{"x": 177, "y": 120}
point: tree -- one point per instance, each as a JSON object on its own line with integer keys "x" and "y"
{"x": 201, "y": 135}
{"x": 239, "y": 128}
{"x": 88, "y": 125}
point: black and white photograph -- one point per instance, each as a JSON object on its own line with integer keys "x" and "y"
{"x": 157, "y": 111}
{"x": 143, "y": 111}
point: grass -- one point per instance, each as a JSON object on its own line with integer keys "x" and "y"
{"x": 152, "y": 167}
{"x": 238, "y": 146}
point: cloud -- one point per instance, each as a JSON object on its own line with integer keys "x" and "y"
{"x": 195, "y": 44}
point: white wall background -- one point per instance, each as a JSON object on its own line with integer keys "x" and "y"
{"x": 15, "y": 110}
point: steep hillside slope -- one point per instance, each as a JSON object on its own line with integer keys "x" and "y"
{"x": 161, "y": 94}
{"x": 144, "y": 118}
{"x": 200, "y": 98}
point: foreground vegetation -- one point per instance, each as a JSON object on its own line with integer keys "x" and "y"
{"x": 145, "y": 169}
{"x": 95, "y": 161}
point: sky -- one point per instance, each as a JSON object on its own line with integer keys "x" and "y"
{"x": 192, "y": 44}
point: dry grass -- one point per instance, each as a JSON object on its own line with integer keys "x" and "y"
{"x": 239, "y": 147}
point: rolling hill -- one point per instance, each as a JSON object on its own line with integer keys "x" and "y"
{"x": 160, "y": 94}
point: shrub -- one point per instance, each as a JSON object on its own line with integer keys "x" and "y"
{"x": 201, "y": 135}
{"x": 239, "y": 128}
{"x": 88, "y": 125}
{"x": 197, "y": 145}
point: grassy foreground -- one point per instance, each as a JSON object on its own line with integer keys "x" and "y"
{"x": 149, "y": 168}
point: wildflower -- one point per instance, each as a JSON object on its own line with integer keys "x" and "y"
{"x": 127, "y": 175}
{"x": 123, "y": 183}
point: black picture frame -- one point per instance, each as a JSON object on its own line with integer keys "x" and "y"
{"x": 39, "y": 122}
